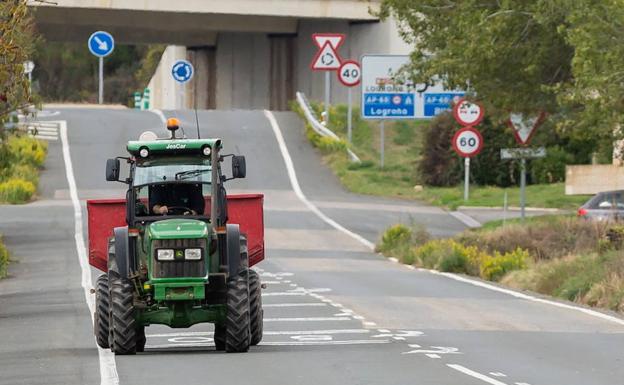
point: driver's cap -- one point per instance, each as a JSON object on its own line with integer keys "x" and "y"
{"x": 173, "y": 124}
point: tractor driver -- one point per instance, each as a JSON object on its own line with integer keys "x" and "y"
{"x": 186, "y": 199}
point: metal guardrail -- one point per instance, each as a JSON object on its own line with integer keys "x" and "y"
{"x": 317, "y": 126}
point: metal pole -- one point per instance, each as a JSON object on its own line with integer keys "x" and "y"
{"x": 30, "y": 82}
{"x": 466, "y": 178}
{"x": 382, "y": 133}
{"x": 349, "y": 115}
{"x": 327, "y": 95}
{"x": 101, "y": 92}
{"x": 522, "y": 187}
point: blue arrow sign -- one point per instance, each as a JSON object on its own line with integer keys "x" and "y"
{"x": 101, "y": 43}
{"x": 182, "y": 71}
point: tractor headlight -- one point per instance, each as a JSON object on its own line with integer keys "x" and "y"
{"x": 144, "y": 153}
{"x": 165, "y": 255}
{"x": 206, "y": 151}
{"x": 192, "y": 254}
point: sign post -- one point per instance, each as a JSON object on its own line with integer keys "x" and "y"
{"x": 349, "y": 74}
{"x": 101, "y": 44}
{"x": 182, "y": 72}
{"x": 467, "y": 142}
{"x": 523, "y": 154}
{"x": 327, "y": 59}
{"x": 29, "y": 66}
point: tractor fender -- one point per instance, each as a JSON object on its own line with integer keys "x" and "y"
{"x": 122, "y": 250}
{"x": 236, "y": 263}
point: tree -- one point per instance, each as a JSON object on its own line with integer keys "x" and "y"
{"x": 16, "y": 43}
{"x": 564, "y": 57}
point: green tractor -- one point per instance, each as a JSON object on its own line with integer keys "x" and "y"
{"x": 178, "y": 250}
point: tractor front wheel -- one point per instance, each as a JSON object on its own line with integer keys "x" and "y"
{"x": 102, "y": 309}
{"x": 124, "y": 330}
{"x": 237, "y": 324}
{"x": 255, "y": 307}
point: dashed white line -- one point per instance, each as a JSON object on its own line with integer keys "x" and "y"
{"x": 268, "y": 333}
{"x": 306, "y": 319}
{"x": 498, "y": 374}
{"x": 279, "y": 294}
{"x": 304, "y": 304}
{"x": 476, "y": 375}
{"x": 432, "y": 355}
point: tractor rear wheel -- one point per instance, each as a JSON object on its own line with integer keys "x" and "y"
{"x": 124, "y": 330}
{"x": 219, "y": 337}
{"x": 255, "y": 307}
{"x": 237, "y": 332}
{"x": 102, "y": 309}
{"x": 140, "y": 339}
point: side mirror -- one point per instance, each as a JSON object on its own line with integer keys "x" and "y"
{"x": 239, "y": 167}
{"x": 112, "y": 170}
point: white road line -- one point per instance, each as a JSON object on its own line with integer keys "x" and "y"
{"x": 527, "y": 297}
{"x": 432, "y": 355}
{"x": 465, "y": 219}
{"x": 45, "y": 137}
{"x": 476, "y": 375}
{"x": 160, "y": 114}
{"x": 306, "y": 319}
{"x": 268, "y": 333}
{"x": 305, "y": 304}
{"x": 277, "y": 293}
{"x": 392, "y": 259}
{"x": 290, "y": 168}
{"x": 369, "y": 324}
{"x": 108, "y": 368}
{"x": 498, "y": 374}
{"x": 286, "y": 343}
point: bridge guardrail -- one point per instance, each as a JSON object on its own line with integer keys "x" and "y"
{"x": 317, "y": 126}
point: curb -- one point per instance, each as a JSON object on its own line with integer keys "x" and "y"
{"x": 514, "y": 208}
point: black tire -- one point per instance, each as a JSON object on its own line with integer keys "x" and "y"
{"x": 256, "y": 313}
{"x": 101, "y": 316}
{"x": 140, "y": 339}
{"x": 123, "y": 312}
{"x": 237, "y": 323}
{"x": 219, "y": 337}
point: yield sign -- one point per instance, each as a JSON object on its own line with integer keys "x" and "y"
{"x": 326, "y": 59}
{"x": 334, "y": 39}
{"x": 524, "y": 127}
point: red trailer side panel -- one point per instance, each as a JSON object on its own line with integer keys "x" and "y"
{"x": 106, "y": 214}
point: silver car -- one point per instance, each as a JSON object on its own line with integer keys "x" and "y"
{"x": 604, "y": 206}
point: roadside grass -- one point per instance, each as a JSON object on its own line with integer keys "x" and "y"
{"x": 21, "y": 158}
{"x": 560, "y": 256}
{"x": 538, "y": 195}
{"x": 399, "y": 176}
{"x": 4, "y": 259}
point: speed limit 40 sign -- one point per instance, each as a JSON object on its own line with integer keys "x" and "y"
{"x": 468, "y": 142}
{"x": 350, "y": 73}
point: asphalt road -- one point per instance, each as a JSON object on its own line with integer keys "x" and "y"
{"x": 336, "y": 313}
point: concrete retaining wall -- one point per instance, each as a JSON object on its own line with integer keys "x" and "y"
{"x": 591, "y": 179}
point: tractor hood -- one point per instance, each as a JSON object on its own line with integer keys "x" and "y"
{"x": 178, "y": 228}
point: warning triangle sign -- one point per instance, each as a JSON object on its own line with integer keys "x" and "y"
{"x": 326, "y": 59}
{"x": 335, "y": 39}
{"x": 524, "y": 126}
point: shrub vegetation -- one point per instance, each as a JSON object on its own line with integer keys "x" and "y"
{"x": 562, "y": 256}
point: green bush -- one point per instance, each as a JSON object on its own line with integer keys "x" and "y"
{"x": 27, "y": 150}
{"x": 495, "y": 267}
{"x": 396, "y": 236}
{"x": 330, "y": 145}
{"x": 4, "y": 259}
{"x": 551, "y": 169}
{"x": 16, "y": 191}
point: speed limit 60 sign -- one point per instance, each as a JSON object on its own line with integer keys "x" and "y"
{"x": 467, "y": 142}
{"x": 350, "y": 73}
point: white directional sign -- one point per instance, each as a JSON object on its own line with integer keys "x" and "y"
{"x": 467, "y": 142}
{"x": 524, "y": 127}
{"x": 467, "y": 113}
{"x": 350, "y": 73}
{"x": 101, "y": 43}
{"x": 29, "y": 66}
{"x": 182, "y": 71}
{"x": 519, "y": 153}
{"x": 334, "y": 39}
{"x": 386, "y": 97}
{"x": 326, "y": 59}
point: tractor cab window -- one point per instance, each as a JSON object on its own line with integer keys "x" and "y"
{"x": 181, "y": 186}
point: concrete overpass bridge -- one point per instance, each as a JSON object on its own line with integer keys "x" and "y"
{"x": 247, "y": 53}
